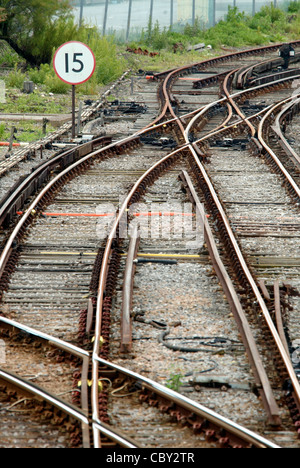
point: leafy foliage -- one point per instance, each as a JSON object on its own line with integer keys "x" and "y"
{"x": 27, "y": 23}
{"x": 270, "y": 24}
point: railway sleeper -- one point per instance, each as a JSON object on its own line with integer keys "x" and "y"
{"x": 184, "y": 417}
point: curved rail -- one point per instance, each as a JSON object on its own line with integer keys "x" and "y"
{"x": 242, "y": 434}
{"x": 106, "y": 257}
{"x": 295, "y": 188}
{"x": 107, "y": 253}
{"x": 287, "y": 110}
{"x": 29, "y": 388}
{"x": 102, "y": 284}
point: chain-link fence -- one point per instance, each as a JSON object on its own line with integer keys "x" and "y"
{"x": 127, "y": 18}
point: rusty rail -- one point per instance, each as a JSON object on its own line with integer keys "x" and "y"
{"x": 261, "y": 378}
{"x": 126, "y": 326}
{"x": 244, "y": 76}
{"x": 20, "y": 384}
{"x": 242, "y": 267}
{"x": 132, "y": 197}
{"x": 221, "y": 429}
{"x": 286, "y": 113}
{"x": 293, "y": 187}
{"x": 28, "y": 185}
{"x": 87, "y": 114}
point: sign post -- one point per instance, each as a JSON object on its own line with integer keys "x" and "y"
{"x": 74, "y": 63}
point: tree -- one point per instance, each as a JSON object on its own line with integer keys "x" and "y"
{"x": 2, "y": 14}
{"x": 23, "y": 24}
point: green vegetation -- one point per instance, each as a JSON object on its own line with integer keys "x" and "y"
{"x": 174, "y": 382}
{"x": 17, "y": 103}
{"x": 27, "y": 26}
{"x": 31, "y": 31}
{"x": 270, "y": 24}
{"x": 52, "y": 23}
{"x": 27, "y": 132}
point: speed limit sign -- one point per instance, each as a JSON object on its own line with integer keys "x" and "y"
{"x": 74, "y": 63}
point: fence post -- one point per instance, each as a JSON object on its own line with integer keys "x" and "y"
{"x": 171, "y": 13}
{"x": 105, "y": 18}
{"x": 151, "y": 13}
{"x": 128, "y": 20}
{"x": 193, "y": 12}
{"x": 81, "y": 13}
{"x": 212, "y": 12}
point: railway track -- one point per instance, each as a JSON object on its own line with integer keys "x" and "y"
{"x": 62, "y": 269}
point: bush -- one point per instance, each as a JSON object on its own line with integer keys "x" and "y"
{"x": 2, "y": 131}
{"x": 294, "y": 7}
{"x": 39, "y": 75}
{"x": 15, "y": 79}
{"x": 270, "y": 24}
{"x": 55, "y": 85}
{"x": 109, "y": 66}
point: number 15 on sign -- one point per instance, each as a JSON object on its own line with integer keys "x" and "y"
{"x": 74, "y": 63}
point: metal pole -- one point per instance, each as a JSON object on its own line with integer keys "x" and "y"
{"x": 151, "y": 13}
{"x": 81, "y": 13}
{"x": 253, "y": 7}
{"x": 214, "y": 12}
{"x": 11, "y": 140}
{"x": 105, "y": 17}
{"x": 128, "y": 19}
{"x": 73, "y": 110}
{"x": 78, "y": 129}
{"x": 193, "y": 12}
{"x": 171, "y": 14}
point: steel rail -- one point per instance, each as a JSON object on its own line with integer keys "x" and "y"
{"x": 63, "y": 346}
{"x": 203, "y": 110}
{"x": 278, "y": 315}
{"x": 37, "y": 392}
{"x": 48, "y": 165}
{"x": 115, "y": 436}
{"x": 102, "y": 279}
{"x": 31, "y": 211}
{"x": 243, "y": 76}
{"x": 271, "y": 153}
{"x": 105, "y": 263}
{"x": 225, "y": 57}
{"x": 182, "y": 401}
{"x": 126, "y": 328}
{"x": 52, "y": 340}
{"x": 266, "y": 314}
{"x": 102, "y": 284}
{"x": 277, "y": 128}
{"x": 255, "y": 359}
{"x": 233, "y": 104}
{"x": 171, "y": 74}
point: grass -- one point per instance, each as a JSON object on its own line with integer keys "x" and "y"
{"x": 174, "y": 382}
{"x": 27, "y": 132}
{"x": 270, "y": 24}
{"x": 36, "y": 103}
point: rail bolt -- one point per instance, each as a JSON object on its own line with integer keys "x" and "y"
{"x": 209, "y": 435}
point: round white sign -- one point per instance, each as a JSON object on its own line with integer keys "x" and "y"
{"x": 74, "y": 63}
